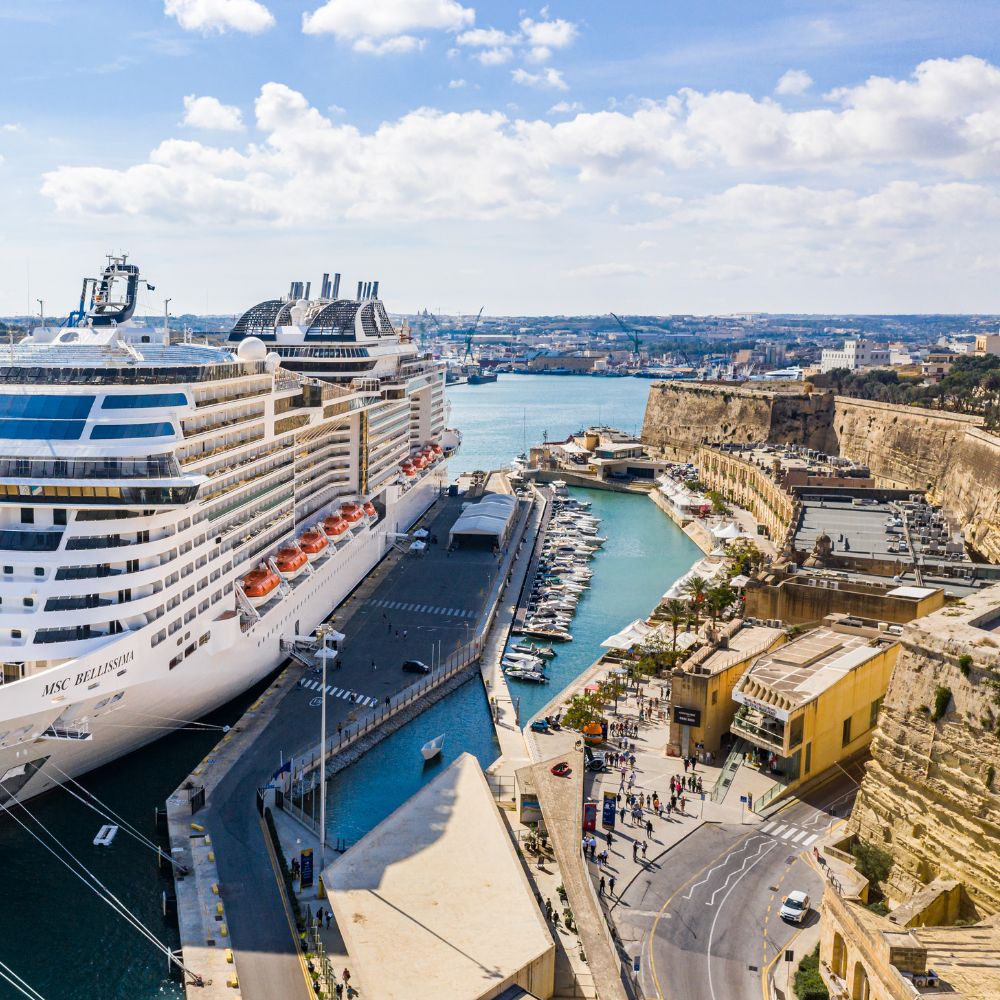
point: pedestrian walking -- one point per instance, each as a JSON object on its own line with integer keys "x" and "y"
{"x": 644, "y": 846}
{"x": 685, "y": 765}
{"x": 621, "y": 814}
{"x": 329, "y": 917}
{"x": 683, "y": 803}
{"x": 649, "y": 828}
{"x": 600, "y": 887}
{"x": 404, "y": 635}
{"x": 611, "y": 839}
{"x": 635, "y": 851}
{"x": 346, "y": 975}
{"x": 611, "y": 886}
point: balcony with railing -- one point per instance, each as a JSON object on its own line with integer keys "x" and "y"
{"x": 760, "y": 730}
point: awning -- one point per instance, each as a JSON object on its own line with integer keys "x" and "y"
{"x": 728, "y": 532}
{"x": 739, "y": 581}
{"x": 633, "y": 634}
{"x": 421, "y": 533}
{"x": 417, "y": 546}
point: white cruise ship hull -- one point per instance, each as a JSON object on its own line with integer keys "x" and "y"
{"x": 156, "y": 698}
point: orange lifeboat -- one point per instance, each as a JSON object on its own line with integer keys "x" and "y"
{"x": 259, "y": 585}
{"x": 409, "y": 469}
{"x": 419, "y": 461}
{"x": 437, "y": 449}
{"x": 313, "y": 544}
{"x": 290, "y": 562}
{"x": 335, "y": 526}
{"x": 353, "y": 514}
{"x": 370, "y": 509}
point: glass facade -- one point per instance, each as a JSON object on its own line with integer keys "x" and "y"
{"x": 41, "y": 430}
{"x": 129, "y": 401}
{"x": 51, "y": 407}
{"x": 105, "y": 432}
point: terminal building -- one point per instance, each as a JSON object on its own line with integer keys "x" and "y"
{"x": 814, "y": 702}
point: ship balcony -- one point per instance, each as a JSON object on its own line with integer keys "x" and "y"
{"x": 208, "y": 403}
{"x": 73, "y": 641}
{"x": 196, "y": 432}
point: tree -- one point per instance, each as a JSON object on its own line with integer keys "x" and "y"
{"x": 676, "y": 614}
{"x": 696, "y": 588}
{"x": 582, "y": 709}
{"x": 719, "y": 598}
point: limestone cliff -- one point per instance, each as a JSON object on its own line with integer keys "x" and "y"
{"x": 929, "y": 795}
{"x": 682, "y": 416}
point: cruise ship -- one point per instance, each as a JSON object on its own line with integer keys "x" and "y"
{"x": 176, "y": 513}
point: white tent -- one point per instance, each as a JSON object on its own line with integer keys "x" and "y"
{"x": 633, "y": 634}
{"x": 488, "y": 521}
{"x": 418, "y": 546}
{"x": 728, "y": 532}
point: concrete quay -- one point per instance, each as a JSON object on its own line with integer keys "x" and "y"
{"x": 461, "y": 594}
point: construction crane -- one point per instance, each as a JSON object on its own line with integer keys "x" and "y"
{"x": 471, "y": 334}
{"x": 633, "y": 335}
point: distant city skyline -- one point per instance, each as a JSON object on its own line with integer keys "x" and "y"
{"x": 568, "y": 159}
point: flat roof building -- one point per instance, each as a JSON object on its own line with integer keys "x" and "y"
{"x": 433, "y": 904}
{"x": 814, "y": 702}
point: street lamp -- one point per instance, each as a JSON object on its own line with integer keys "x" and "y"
{"x": 324, "y": 654}
{"x": 41, "y": 310}
{"x": 166, "y": 319}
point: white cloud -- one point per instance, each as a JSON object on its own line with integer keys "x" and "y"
{"x": 351, "y": 19}
{"x": 611, "y": 269}
{"x": 566, "y": 108}
{"x": 486, "y": 38}
{"x": 211, "y": 113}
{"x": 456, "y": 84}
{"x": 495, "y": 57}
{"x": 547, "y": 79}
{"x": 220, "y": 15}
{"x": 388, "y": 46}
{"x": 555, "y": 34}
{"x": 12, "y": 127}
{"x": 538, "y": 54}
{"x": 793, "y": 82}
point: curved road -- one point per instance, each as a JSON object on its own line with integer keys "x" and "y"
{"x": 704, "y": 916}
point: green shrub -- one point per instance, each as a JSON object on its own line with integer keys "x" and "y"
{"x": 965, "y": 664}
{"x": 871, "y": 861}
{"x": 942, "y": 699}
{"x": 809, "y": 983}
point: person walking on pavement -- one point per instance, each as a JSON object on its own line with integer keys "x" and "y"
{"x": 649, "y": 828}
{"x": 611, "y": 886}
{"x": 644, "y": 846}
{"x": 635, "y": 851}
{"x": 600, "y": 887}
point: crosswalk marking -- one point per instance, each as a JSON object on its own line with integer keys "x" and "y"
{"x": 784, "y": 826}
{"x": 799, "y": 836}
{"x": 342, "y": 693}
{"x": 427, "y": 609}
{"x": 809, "y": 840}
{"x": 767, "y": 827}
{"x": 788, "y": 833}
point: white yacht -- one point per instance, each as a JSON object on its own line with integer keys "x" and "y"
{"x": 175, "y": 512}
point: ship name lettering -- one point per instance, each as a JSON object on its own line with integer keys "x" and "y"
{"x": 56, "y": 687}
{"x": 105, "y": 668}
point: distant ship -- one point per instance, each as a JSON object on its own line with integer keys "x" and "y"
{"x": 177, "y": 513}
{"x": 478, "y": 376}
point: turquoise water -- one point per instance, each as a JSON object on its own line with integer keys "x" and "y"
{"x": 362, "y": 795}
{"x": 644, "y": 554}
{"x": 501, "y": 419}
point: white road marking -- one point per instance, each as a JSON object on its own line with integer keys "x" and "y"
{"x": 763, "y": 847}
{"x": 788, "y": 833}
{"x": 809, "y": 840}
{"x": 767, "y": 826}
{"x": 721, "y": 864}
{"x": 799, "y": 836}
{"x": 784, "y": 826}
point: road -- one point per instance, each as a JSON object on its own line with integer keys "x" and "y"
{"x": 403, "y": 608}
{"x": 704, "y": 917}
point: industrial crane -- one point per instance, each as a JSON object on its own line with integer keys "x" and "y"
{"x": 471, "y": 334}
{"x": 633, "y": 335}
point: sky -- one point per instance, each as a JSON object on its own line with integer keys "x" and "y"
{"x": 644, "y": 156}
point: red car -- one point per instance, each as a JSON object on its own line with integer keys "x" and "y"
{"x": 562, "y": 769}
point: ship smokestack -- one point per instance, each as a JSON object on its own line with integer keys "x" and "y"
{"x": 361, "y": 286}
{"x": 324, "y": 292}
{"x": 308, "y": 289}
{"x": 336, "y": 286}
{"x": 374, "y": 289}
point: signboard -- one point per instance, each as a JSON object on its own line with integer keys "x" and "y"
{"x": 609, "y": 810}
{"x": 590, "y": 816}
{"x": 774, "y": 713}
{"x": 306, "y": 868}
{"x": 687, "y": 716}
{"x": 637, "y": 964}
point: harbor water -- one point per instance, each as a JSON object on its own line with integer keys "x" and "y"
{"x": 69, "y": 945}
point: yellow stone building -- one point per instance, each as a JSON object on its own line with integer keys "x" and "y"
{"x": 814, "y": 702}
{"x": 701, "y": 688}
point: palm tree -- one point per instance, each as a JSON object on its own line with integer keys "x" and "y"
{"x": 718, "y": 599}
{"x": 696, "y": 588}
{"x": 676, "y": 614}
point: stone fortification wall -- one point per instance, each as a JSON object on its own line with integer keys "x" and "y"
{"x": 948, "y": 455}
{"x": 680, "y": 417}
{"x": 929, "y": 795}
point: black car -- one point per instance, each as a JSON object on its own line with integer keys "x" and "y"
{"x": 415, "y": 667}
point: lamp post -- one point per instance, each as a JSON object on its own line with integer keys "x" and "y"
{"x": 321, "y": 633}
{"x": 166, "y": 320}
{"x": 41, "y": 310}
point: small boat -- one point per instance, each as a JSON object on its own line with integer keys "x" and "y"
{"x": 545, "y": 652}
{"x": 520, "y": 674}
{"x": 432, "y": 748}
{"x": 259, "y": 585}
{"x": 353, "y": 514}
{"x": 335, "y": 526}
{"x": 290, "y": 562}
{"x": 370, "y": 510}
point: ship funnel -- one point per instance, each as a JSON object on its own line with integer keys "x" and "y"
{"x": 325, "y": 290}
{"x": 308, "y": 289}
{"x": 374, "y": 289}
{"x": 361, "y": 286}
{"x": 336, "y": 286}
{"x": 291, "y": 289}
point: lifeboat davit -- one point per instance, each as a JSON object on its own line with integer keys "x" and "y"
{"x": 370, "y": 509}
{"x": 259, "y": 585}
{"x": 313, "y": 544}
{"x": 335, "y": 526}
{"x": 290, "y": 562}
{"x": 353, "y": 514}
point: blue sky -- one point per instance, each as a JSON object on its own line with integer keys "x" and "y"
{"x": 577, "y": 157}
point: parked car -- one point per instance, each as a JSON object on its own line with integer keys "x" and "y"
{"x": 415, "y": 667}
{"x": 795, "y": 907}
{"x": 596, "y": 760}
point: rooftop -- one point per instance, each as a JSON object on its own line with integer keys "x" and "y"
{"x": 797, "y": 673}
{"x": 433, "y": 902}
{"x": 750, "y": 640}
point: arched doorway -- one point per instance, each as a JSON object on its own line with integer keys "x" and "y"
{"x": 859, "y": 991}
{"x": 838, "y": 960}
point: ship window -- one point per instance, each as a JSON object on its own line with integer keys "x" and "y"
{"x": 59, "y": 516}
{"x": 29, "y": 602}
{"x": 105, "y": 432}
{"x": 41, "y": 430}
{"x": 128, "y": 401}
{"x": 52, "y": 407}
{"x": 39, "y": 571}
